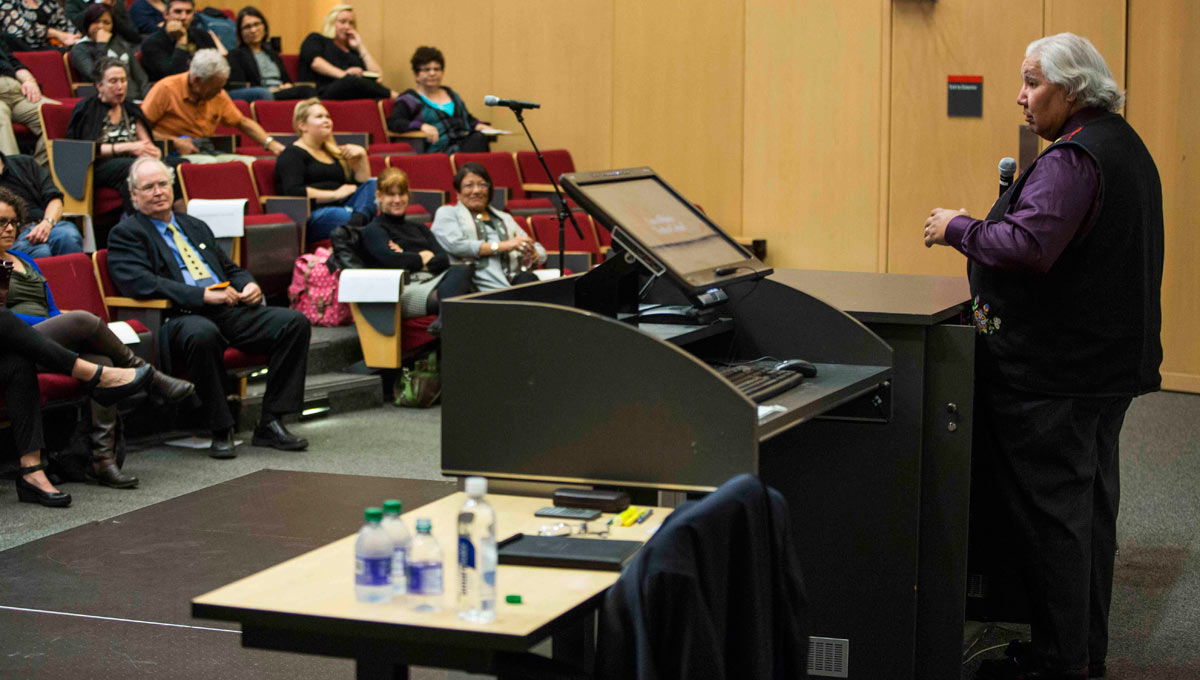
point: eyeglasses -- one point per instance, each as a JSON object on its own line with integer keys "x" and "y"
{"x": 430, "y": 69}
{"x": 6, "y": 223}
{"x": 472, "y": 186}
{"x": 252, "y": 24}
{"x": 162, "y": 184}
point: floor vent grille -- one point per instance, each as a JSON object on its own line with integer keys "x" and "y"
{"x": 828, "y": 657}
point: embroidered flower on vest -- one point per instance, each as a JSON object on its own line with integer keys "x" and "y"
{"x": 979, "y": 317}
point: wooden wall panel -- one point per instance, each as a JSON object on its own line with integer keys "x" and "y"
{"x": 1163, "y": 96}
{"x": 462, "y": 30}
{"x": 563, "y": 61}
{"x": 1100, "y": 21}
{"x": 677, "y": 98}
{"x": 941, "y": 161}
{"x": 812, "y": 130}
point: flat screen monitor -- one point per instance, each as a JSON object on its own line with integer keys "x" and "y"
{"x": 664, "y": 227}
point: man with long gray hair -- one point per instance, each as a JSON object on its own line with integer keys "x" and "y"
{"x": 1065, "y": 273}
{"x": 186, "y": 109}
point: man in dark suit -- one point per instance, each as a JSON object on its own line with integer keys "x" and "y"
{"x": 162, "y": 254}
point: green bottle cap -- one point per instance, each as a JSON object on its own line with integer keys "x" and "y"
{"x": 373, "y": 514}
{"x": 392, "y": 507}
{"x": 512, "y": 599}
{"x": 424, "y": 526}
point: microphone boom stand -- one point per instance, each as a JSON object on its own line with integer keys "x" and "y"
{"x": 564, "y": 213}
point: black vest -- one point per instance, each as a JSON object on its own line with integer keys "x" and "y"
{"x": 1090, "y": 325}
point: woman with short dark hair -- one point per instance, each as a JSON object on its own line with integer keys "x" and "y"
{"x": 101, "y": 41}
{"x": 435, "y": 110}
{"x": 256, "y": 63}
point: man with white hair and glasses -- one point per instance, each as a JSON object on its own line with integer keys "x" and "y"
{"x": 1065, "y": 274}
{"x": 186, "y": 109}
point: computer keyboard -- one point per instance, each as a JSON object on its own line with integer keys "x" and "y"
{"x": 760, "y": 381}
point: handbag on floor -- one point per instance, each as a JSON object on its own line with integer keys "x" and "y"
{"x": 421, "y": 385}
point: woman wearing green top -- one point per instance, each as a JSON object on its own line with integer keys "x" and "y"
{"x": 435, "y": 110}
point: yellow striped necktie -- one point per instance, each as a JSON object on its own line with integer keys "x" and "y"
{"x": 191, "y": 259}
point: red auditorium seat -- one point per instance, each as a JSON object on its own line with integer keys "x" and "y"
{"x": 274, "y": 117}
{"x": 559, "y": 160}
{"x": 104, "y": 203}
{"x": 545, "y": 230}
{"x": 363, "y": 115}
{"x": 291, "y": 64}
{"x": 503, "y": 170}
{"x": 48, "y": 68}
{"x": 431, "y": 172}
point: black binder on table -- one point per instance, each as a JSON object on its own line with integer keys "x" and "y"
{"x": 570, "y": 553}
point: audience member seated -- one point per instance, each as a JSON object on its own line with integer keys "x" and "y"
{"x": 101, "y": 42}
{"x": 157, "y": 253}
{"x": 186, "y": 109}
{"x": 19, "y": 97}
{"x": 475, "y": 232}
{"x": 391, "y": 242}
{"x": 436, "y": 110}
{"x": 36, "y": 25}
{"x": 79, "y": 331}
{"x": 169, "y": 50}
{"x": 46, "y": 233}
{"x": 147, "y": 15}
{"x": 122, "y": 24}
{"x": 23, "y": 351}
{"x": 255, "y": 63}
{"x": 338, "y": 178}
{"x": 337, "y": 60}
{"x": 119, "y": 129}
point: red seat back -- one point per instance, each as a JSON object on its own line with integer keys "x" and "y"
{"x": 47, "y": 66}
{"x": 72, "y": 281}
{"x": 274, "y": 116}
{"x": 559, "y": 161}
{"x": 427, "y": 171}
{"x": 264, "y": 176}
{"x": 291, "y": 64}
{"x": 220, "y": 180}
{"x": 545, "y": 229}
{"x": 378, "y": 163}
{"x": 500, "y": 166}
{"x": 55, "y": 119}
{"x": 357, "y": 115}
{"x": 100, "y": 260}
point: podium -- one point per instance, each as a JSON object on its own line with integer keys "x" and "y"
{"x": 536, "y": 389}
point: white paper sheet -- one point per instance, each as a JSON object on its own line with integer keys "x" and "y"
{"x": 124, "y": 332}
{"x": 370, "y": 285}
{"x": 226, "y": 217}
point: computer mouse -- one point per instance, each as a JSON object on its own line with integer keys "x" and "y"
{"x": 798, "y": 365}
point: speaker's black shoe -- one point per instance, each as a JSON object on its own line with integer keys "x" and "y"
{"x": 1020, "y": 650}
{"x": 272, "y": 433}
{"x": 28, "y": 493}
{"x": 1016, "y": 665}
{"x": 222, "y": 444}
{"x": 107, "y": 396}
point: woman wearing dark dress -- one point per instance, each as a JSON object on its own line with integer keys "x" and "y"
{"x": 337, "y": 177}
{"x": 101, "y": 41}
{"x": 391, "y": 242}
{"x": 337, "y": 60}
{"x": 435, "y": 110}
{"x": 120, "y": 130}
{"x": 26, "y": 299}
{"x": 255, "y": 63}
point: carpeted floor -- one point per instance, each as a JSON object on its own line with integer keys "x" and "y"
{"x": 1156, "y": 604}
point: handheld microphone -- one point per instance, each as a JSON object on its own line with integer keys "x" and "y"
{"x": 1008, "y": 168}
{"x": 516, "y": 105}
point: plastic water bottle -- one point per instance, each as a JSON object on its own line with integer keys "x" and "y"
{"x": 401, "y": 542}
{"x": 425, "y": 570}
{"x": 373, "y": 560}
{"x": 476, "y": 555}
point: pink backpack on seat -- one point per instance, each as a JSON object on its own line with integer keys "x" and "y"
{"x": 314, "y": 291}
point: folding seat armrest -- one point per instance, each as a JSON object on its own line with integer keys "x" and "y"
{"x": 547, "y": 189}
{"x": 296, "y": 207}
{"x": 149, "y": 311}
{"x": 428, "y": 198}
{"x": 362, "y": 139}
{"x": 71, "y": 168}
{"x": 414, "y": 138}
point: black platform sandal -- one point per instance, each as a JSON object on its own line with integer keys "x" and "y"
{"x": 29, "y": 493}
{"x": 107, "y": 396}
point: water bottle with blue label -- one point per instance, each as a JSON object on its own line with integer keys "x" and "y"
{"x": 425, "y": 570}
{"x": 373, "y": 560}
{"x": 401, "y": 542}
{"x": 477, "y": 555}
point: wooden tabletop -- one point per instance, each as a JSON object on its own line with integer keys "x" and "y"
{"x": 883, "y": 298}
{"x": 320, "y": 584}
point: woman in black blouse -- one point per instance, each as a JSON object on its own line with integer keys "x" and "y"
{"x": 101, "y": 41}
{"x": 255, "y": 63}
{"x": 391, "y": 242}
{"x": 337, "y": 177}
{"x": 337, "y": 60}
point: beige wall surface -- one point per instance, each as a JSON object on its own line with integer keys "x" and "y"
{"x": 820, "y": 126}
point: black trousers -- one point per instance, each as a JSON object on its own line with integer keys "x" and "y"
{"x": 22, "y": 349}
{"x": 1054, "y": 462}
{"x": 354, "y": 87}
{"x": 196, "y": 343}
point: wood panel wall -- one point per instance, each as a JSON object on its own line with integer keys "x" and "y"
{"x": 819, "y": 125}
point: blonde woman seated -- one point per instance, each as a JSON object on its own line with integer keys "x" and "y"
{"x": 337, "y": 60}
{"x": 391, "y": 242}
{"x": 475, "y": 232}
{"x": 337, "y": 177}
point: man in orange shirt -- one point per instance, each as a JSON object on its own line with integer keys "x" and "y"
{"x": 186, "y": 109}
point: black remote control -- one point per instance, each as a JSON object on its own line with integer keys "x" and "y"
{"x": 584, "y": 514}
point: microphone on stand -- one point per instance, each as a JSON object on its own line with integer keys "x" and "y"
{"x": 514, "y": 104}
{"x": 1008, "y": 168}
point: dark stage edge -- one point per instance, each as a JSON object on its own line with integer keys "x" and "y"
{"x": 139, "y": 572}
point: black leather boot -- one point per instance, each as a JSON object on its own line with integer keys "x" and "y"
{"x": 169, "y": 388}
{"x": 104, "y": 450}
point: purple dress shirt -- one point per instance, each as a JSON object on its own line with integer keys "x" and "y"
{"x": 1059, "y": 200}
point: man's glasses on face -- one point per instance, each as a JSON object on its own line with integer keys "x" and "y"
{"x": 164, "y": 184}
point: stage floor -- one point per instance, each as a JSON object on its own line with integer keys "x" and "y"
{"x": 111, "y": 599}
